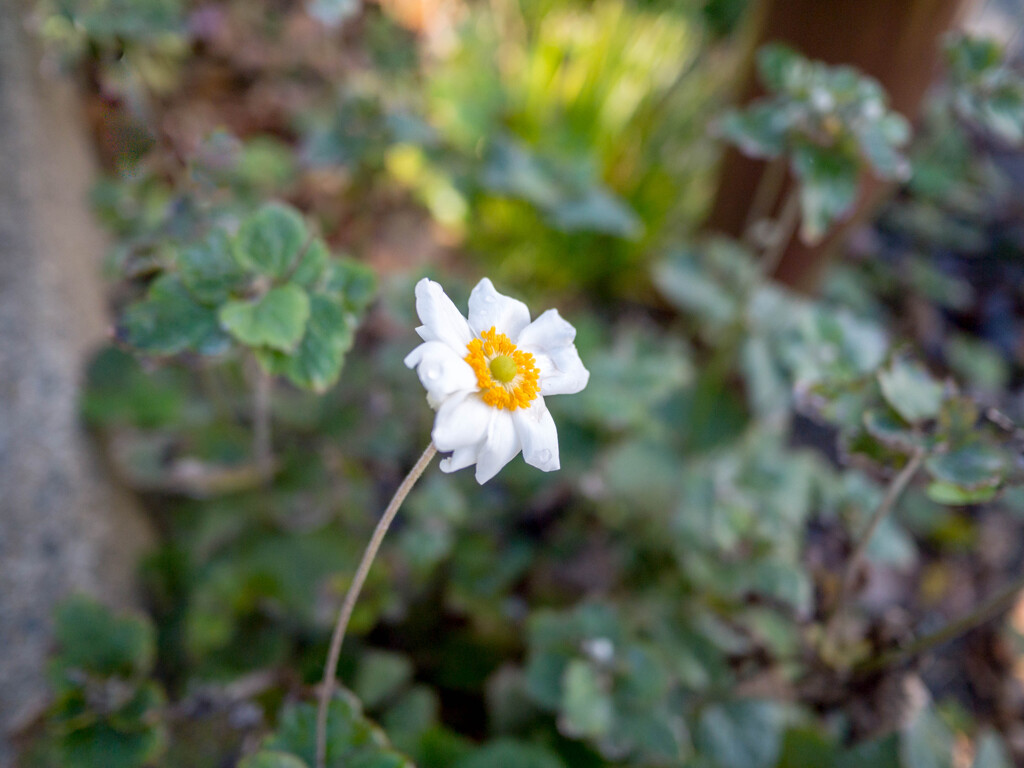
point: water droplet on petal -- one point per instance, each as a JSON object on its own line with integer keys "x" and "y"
{"x": 433, "y": 372}
{"x": 488, "y": 299}
{"x": 544, "y": 456}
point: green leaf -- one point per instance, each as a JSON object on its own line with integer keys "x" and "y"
{"x": 927, "y": 742}
{"x": 272, "y": 759}
{"x": 882, "y": 753}
{"x": 758, "y": 131}
{"x": 909, "y": 388}
{"x": 317, "y": 361}
{"x": 741, "y": 734}
{"x": 828, "y": 187}
{"x": 415, "y": 712}
{"x": 441, "y": 748}
{"x": 970, "y": 466}
{"x": 970, "y": 56}
{"x": 776, "y": 65}
{"x": 121, "y": 392}
{"x": 355, "y": 283}
{"x": 169, "y": 321}
{"x": 879, "y": 142}
{"x": 92, "y": 638}
{"x": 509, "y": 753}
{"x": 687, "y": 282}
{"x": 276, "y": 320}
{"x": 103, "y": 746}
{"x": 807, "y": 747}
{"x": 352, "y": 740}
{"x": 891, "y": 544}
{"x": 885, "y": 425}
{"x": 380, "y": 675}
{"x": 1003, "y": 114}
{"x": 209, "y": 270}
{"x": 586, "y": 706}
{"x": 511, "y": 169}
{"x": 596, "y": 210}
{"x": 955, "y": 495}
{"x": 271, "y": 240}
{"x": 311, "y": 268}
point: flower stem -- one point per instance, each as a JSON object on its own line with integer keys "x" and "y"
{"x": 892, "y": 495}
{"x": 331, "y": 667}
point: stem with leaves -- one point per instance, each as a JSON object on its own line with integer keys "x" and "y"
{"x": 892, "y": 495}
{"x": 331, "y": 667}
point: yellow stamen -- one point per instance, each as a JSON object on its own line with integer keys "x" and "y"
{"x": 507, "y": 376}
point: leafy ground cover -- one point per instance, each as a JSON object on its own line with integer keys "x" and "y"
{"x": 770, "y": 507}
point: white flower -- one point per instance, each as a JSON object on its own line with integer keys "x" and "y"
{"x": 487, "y": 377}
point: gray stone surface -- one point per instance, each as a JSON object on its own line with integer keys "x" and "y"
{"x": 63, "y": 526}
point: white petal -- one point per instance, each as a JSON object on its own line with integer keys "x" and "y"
{"x": 488, "y": 308}
{"x": 547, "y": 332}
{"x": 461, "y": 420}
{"x": 561, "y": 372}
{"x": 501, "y": 446}
{"x": 441, "y": 320}
{"x": 461, "y": 458}
{"x": 441, "y": 370}
{"x": 537, "y": 433}
{"x": 549, "y": 339}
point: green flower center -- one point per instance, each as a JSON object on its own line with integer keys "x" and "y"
{"x": 503, "y": 369}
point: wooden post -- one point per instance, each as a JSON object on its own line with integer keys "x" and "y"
{"x": 898, "y": 42}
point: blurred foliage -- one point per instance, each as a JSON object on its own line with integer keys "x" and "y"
{"x": 107, "y": 711}
{"x": 662, "y": 600}
{"x": 576, "y": 130}
{"x": 137, "y": 45}
{"x": 272, "y": 288}
{"x": 829, "y": 123}
{"x": 986, "y": 90}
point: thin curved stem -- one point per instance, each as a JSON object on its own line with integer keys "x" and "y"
{"x": 331, "y": 667}
{"x": 892, "y": 495}
{"x": 985, "y": 612}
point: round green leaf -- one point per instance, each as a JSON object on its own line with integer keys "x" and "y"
{"x": 208, "y": 268}
{"x": 94, "y": 639}
{"x": 316, "y": 363}
{"x": 970, "y": 466}
{"x": 910, "y": 390}
{"x": 169, "y": 321}
{"x": 276, "y": 320}
{"x": 271, "y": 240}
